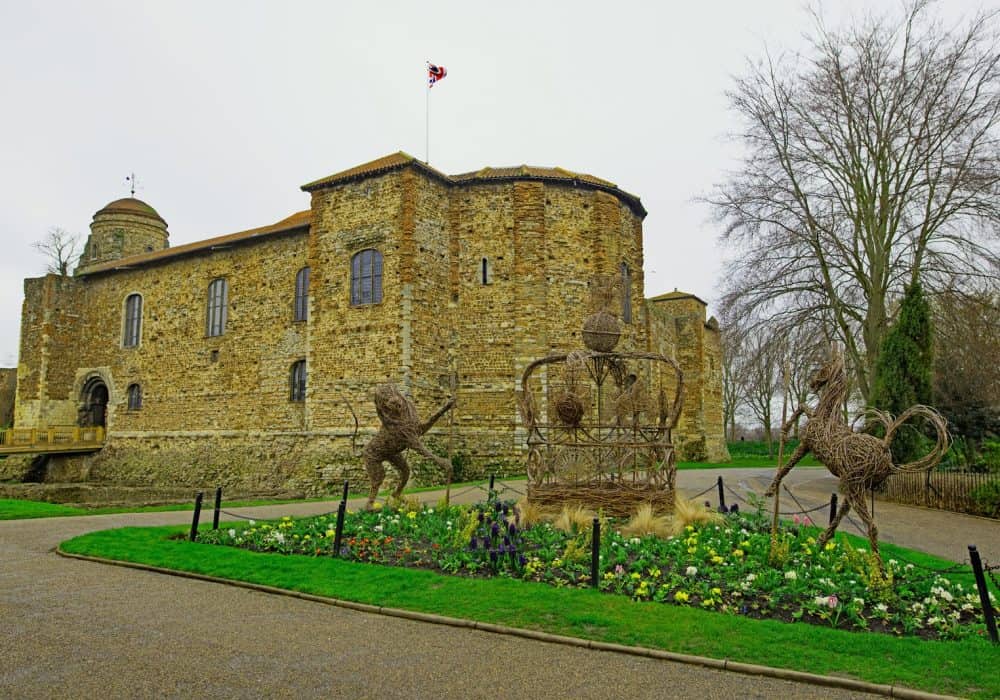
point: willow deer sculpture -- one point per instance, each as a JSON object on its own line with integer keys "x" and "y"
{"x": 859, "y": 460}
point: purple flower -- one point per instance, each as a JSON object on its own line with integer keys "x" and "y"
{"x": 474, "y": 543}
{"x": 495, "y": 530}
{"x": 506, "y": 541}
{"x": 493, "y": 556}
{"x": 512, "y": 529}
{"x": 482, "y": 516}
{"x": 522, "y": 560}
{"x": 506, "y": 509}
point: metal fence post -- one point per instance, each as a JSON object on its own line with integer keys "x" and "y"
{"x": 984, "y": 593}
{"x": 595, "y": 554}
{"x": 197, "y": 514}
{"x": 344, "y": 497}
{"x": 833, "y": 507}
{"x": 218, "y": 508}
{"x": 722, "y": 497}
{"x": 339, "y": 533}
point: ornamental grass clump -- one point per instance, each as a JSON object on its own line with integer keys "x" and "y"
{"x": 647, "y": 522}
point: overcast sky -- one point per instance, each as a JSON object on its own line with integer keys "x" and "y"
{"x": 223, "y": 109}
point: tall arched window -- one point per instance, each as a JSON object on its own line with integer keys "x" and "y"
{"x": 366, "y": 277}
{"x": 218, "y": 299}
{"x": 626, "y": 293}
{"x": 133, "y": 321}
{"x": 134, "y": 397}
{"x": 298, "y": 381}
{"x": 302, "y": 294}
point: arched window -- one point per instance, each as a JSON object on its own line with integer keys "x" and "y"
{"x": 302, "y": 295}
{"x": 298, "y": 381}
{"x": 626, "y": 293}
{"x": 485, "y": 275}
{"x": 134, "y": 397}
{"x": 366, "y": 277}
{"x": 218, "y": 299}
{"x": 133, "y": 321}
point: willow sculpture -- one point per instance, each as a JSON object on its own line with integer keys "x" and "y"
{"x": 860, "y": 461}
{"x": 598, "y": 422}
{"x": 401, "y": 429}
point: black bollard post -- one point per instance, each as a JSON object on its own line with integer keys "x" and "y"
{"x": 984, "y": 593}
{"x": 722, "y": 498}
{"x": 197, "y": 514}
{"x": 595, "y": 554}
{"x": 218, "y": 507}
{"x": 833, "y": 507}
{"x": 492, "y": 479}
{"x": 344, "y": 497}
{"x": 339, "y": 533}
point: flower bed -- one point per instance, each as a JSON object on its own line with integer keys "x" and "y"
{"x": 718, "y": 567}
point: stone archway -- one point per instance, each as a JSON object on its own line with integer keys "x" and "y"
{"x": 94, "y": 403}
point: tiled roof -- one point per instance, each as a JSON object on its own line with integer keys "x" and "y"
{"x": 520, "y": 172}
{"x": 130, "y": 205}
{"x": 675, "y": 296}
{"x": 378, "y": 166}
{"x": 295, "y": 221}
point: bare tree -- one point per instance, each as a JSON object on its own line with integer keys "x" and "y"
{"x": 966, "y": 374}
{"x": 759, "y": 371}
{"x": 732, "y": 384}
{"x": 60, "y": 248}
{"x": 870, "y": 161}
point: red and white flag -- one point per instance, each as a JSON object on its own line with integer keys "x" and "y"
{"x": 434, "y": 74}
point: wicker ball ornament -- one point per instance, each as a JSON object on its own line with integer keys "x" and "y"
{"x": 570, "y": 409}
{"x": 602, "y": 331}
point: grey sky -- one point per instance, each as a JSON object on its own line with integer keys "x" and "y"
{"x": 224, "y": 108}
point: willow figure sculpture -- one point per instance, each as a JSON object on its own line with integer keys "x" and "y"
{"x": 860, "y": 461}
{"x": 401, "y": 429}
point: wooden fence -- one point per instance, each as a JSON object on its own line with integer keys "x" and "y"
{"x": 61, "y": 438}
{"x": 946, "y": 490}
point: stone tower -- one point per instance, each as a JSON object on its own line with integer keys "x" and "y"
{"x": 121, "y": 229}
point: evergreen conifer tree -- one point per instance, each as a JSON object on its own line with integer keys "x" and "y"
{"x": 903, "y": 371}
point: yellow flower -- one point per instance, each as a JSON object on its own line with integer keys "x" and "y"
{"x": 692, "y": 550}
{"x": 689, "y": 528}
{"x": 330, "y": 533}
{"x": 738, "y": 553}
{"x": 376, "y": 506}
{"x": 636, "y": 577}
{"x": 830, "y": 546}
{"x": 745, "y": 544}
{"x": 681, "y": 596}
{"x": 717, "y": 560}
{"x": 654, "y": 572}
{"x": 811, "y": 541}
{"x": 717, "y": 592}
{"x": 412, "y": 515}
{"x": 708, "y": 603}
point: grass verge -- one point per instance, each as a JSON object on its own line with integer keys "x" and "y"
{"x": 959, "y": 668}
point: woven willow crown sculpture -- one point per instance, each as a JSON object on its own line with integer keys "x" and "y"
{"x": 598, "y": 422}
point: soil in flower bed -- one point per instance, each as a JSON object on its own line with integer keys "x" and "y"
{"x": 722, "y": 567}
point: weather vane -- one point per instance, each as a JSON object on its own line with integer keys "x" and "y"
{"x": 133, "y": 182}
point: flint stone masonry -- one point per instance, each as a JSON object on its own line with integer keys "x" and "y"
{"x": 218, "y": 409}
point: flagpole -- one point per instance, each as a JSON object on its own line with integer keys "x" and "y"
{"x": 427, "y": 120}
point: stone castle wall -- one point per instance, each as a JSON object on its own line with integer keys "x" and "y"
{"x": 218, "y": 409}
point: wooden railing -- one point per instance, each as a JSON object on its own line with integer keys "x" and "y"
{"x": 56, "y": 438}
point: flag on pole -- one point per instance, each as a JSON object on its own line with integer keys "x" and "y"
{"x": 434, "y": 74}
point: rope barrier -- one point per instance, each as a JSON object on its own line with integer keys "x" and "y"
{"x": 508, "y": 487}
{"x": 697, "y": 495}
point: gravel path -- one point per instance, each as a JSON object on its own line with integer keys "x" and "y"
{"x": 79, "y": 629}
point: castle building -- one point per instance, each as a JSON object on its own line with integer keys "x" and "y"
{"x": 244, "y": 359}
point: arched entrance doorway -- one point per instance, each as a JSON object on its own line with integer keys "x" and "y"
{"x": 95, "y": 403}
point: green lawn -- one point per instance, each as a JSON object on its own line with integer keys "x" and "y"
{"x": 954, "y": 667}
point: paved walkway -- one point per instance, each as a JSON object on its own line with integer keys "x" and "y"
{"x": 80, "y": 629}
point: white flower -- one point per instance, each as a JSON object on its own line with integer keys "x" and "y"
{"x": 635, "y": 540}
{"x": 430, "y": 511}
{"x": 377, "y": 528}
{"x": 860, "y": 602}
{"x": 232, "y": 533}
{"x": 252, "y": 523}
{"x": 791, "y": 575}
{"x": 882, "y": 607}
{"x": 967, "y": 607}
{"x": 751, "y": 577}
{"x": 692, "y": 571}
